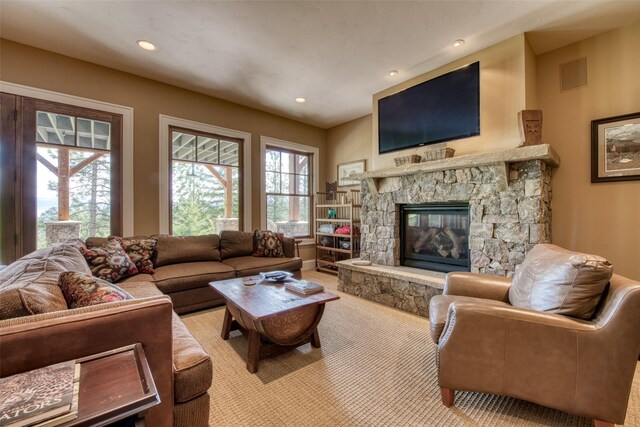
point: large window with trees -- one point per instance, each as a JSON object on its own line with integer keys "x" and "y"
{"x": 205, "y": 182}
{"x": 60, "y": 174}
{"x": 73, "y": 171}
{"x": 288, "y": 185}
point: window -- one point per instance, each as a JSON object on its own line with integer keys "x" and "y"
{"x": 73, "y": 176}
{"x": 205, "y": 182}
{"x": 61, "y": 174}
{"x": 288, "y": 184}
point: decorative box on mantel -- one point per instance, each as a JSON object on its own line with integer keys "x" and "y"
{"x": 509, "y": 198}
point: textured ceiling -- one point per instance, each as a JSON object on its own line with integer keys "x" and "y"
{"x": 264, "y": 54}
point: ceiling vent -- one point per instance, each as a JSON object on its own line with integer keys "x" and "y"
{"x": 573, "y": 74}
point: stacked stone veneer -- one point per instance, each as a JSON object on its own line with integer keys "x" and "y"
{"x": 405, "y": 292}
{"x": 507, "y": 218}
{"x": 509, "y": 208}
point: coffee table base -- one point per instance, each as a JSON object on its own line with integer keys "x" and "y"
{"x": 259, "y": 346}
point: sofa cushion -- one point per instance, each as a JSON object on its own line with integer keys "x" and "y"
{"x": 30, "y": 284}
{"x": 268, "y": 244}
{"x": 250, "y": 265}
{"x": 189, "y": 275}
{"x": 83, "y": 290}
{"x": 235, "y": 243}
{"x": 560, "y": 281}
{"x": 439, "y": 308}
{"x": 289, "y": 247}
{"x": 136, "y": 278}
{"x": 195, "y": 299}
{"x": 141, "y": 289}
{"x": 192, "y": 371}
{"x": 139, "y": 250}
{"x": 175, "y": 249}
{"x": 109, "y": 262}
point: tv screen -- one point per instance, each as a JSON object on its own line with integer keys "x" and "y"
{"x": 438, "y": 110}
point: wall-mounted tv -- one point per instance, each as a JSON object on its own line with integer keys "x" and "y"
{"x": 442, "y": 109}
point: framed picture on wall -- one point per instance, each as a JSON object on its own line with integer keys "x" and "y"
{"x": 615, "y": 148}
{"x": 347, "y": 170}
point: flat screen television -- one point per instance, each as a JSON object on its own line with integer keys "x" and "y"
{"x": 441, "y": 109}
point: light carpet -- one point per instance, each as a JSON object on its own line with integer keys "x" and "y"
{"x": 376, "y": 367}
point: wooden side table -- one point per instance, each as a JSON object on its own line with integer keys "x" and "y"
{"x": 115, "y": 385}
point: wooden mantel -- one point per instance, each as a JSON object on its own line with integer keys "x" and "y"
{"x": 497, "y": 159}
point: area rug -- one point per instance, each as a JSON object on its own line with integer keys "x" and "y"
{"x": 376, "y": 367}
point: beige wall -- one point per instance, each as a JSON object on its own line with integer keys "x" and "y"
{"x": 348, "y": 142}
{"x": 601, "y": 218}
{"x": 502, "y": 95}
{"x": 530, "y": 76}
{"x": 41, "y": 69}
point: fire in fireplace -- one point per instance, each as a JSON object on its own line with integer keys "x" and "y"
{"x": 435, "y": 237}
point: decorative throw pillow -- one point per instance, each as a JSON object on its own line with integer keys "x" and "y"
{"x": 139, "y": 250}
{"x": 82, "y": 290}
{"x": 109, "y": 262}
{"x": 560, "y": 281}
{"x": 268, "y": 244}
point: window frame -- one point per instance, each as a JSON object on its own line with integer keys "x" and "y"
{"x": 164, "y": 121}
{"x": 30, "y": 108}
{"x": 240, "y": 141}
{"x": 25, "y": 191}
{"x": 10, "y": 232}
{"x": 295, "y": 148}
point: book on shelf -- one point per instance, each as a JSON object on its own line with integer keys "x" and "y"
{"x": 303, "y": 287}
{"x": 44, "y": 397}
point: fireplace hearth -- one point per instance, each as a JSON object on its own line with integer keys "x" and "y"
{"x": 435, "y": 236}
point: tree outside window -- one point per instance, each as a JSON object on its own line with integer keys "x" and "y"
{"x": 73, "y": 176}
{"x": 288, "y": 191}
{"x": 205, "y": 183}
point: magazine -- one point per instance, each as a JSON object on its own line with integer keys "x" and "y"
{"x": 40, "y": 395}
{"x": 303, "y": 287}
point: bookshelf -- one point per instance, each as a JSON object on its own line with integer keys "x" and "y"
{"x": 332, "y": 246}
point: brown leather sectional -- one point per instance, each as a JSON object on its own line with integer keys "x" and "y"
{"x": 37, "y": 329}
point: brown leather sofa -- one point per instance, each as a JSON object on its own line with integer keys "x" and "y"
{"x": 584, "y": 366}
{"x": 37, "y": 329}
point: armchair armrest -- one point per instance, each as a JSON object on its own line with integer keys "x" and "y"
{"x": 545, "y": 358}
{"x": 462, "y": 311}
{"x": 478, "y": 286}
{"x": 31, "y": 342}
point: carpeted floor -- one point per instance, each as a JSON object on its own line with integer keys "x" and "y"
{"x": 376, "y": 367}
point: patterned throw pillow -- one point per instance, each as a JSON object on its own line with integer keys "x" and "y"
{"x": 109, "y": 262}
{"x": 268, "y": 244}
{"x": 139, "y": 250}
{"x": 82, "y": 290}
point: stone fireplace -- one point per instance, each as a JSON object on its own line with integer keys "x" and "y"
{"x": 508, "y": 194}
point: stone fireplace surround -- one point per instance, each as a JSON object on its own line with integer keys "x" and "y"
{"x": 509, "y": 196}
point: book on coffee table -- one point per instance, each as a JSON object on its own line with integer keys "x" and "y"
{"x": 303, "y": 287}
{"x": 44, "y": 397}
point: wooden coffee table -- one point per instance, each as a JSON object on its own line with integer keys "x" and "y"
{"x": 273, "y": 319}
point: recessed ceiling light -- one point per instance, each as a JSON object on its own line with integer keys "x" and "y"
{"x": 393, "y": 72}
{"x": 458, "y": 43}
{"x": 146, "y": 45}
{"x": 301, "y": 100}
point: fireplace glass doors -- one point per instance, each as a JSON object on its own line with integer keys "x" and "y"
{"x": 435, "y": 237}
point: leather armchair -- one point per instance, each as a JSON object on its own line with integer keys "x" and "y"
{"x": 584, "y": 367}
